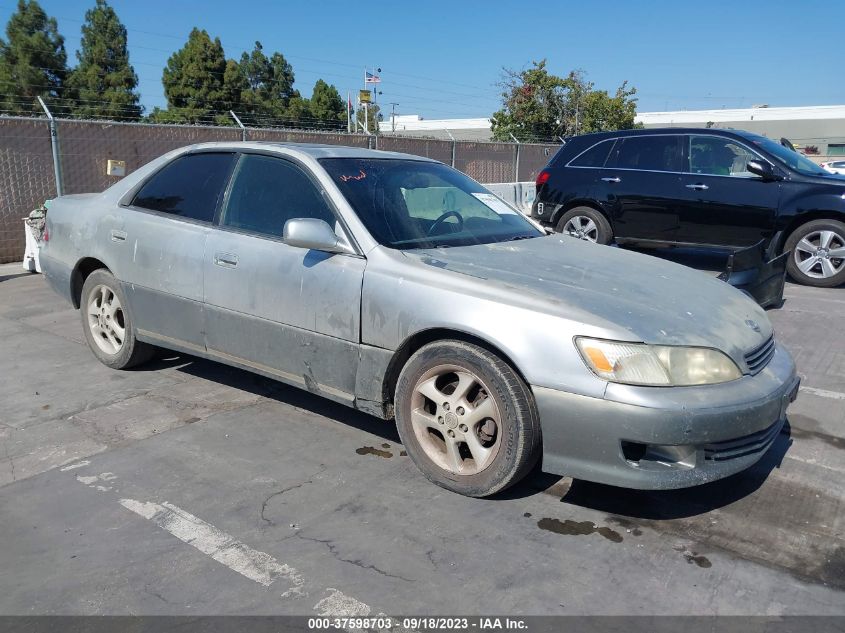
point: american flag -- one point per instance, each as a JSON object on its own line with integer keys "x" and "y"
{"x": 370, "y": 78}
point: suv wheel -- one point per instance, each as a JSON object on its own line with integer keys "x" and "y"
{"x": 817, "y": 253}
{"x": 467, "y": 420}
{"x": 585, "y": 223}
{"x": 108, "y": 329}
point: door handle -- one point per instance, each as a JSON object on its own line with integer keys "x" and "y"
{"x": 612, "y": 179}
{"x": 699, "y": 186}
{"x": 118, "y": 236}
{"x": 227, "y": 260}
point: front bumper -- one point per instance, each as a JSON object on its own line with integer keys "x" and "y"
{"x": 662, "y": 438}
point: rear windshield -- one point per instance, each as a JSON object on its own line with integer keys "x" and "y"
{"x": 415, "y": 204}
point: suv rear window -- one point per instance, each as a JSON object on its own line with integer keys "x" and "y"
{"x": 189, "y": 187}
{"x": 595, "y": 156}
{"x": 653, "y": 153}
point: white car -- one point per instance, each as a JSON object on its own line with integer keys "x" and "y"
{"x": 835, "y": 167}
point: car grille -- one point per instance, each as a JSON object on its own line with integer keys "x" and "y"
{"x": 740, "y": 447}
{"x": 758, "y": 358}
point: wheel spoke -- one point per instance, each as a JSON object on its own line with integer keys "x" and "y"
{"x": 423, "y": 420}
{"x": 465, "y": 383}
{"x": 119, "y": 332}
{"x": 828, "y": 269}
{"x": 590, "y": 226}
{"x": 806, "y": 265}
{"x": 826, "y": 238}
{"x": 837, "y": 253}
{"x": 485, "y": 409}
{"x": 480, "y": 454}
{"x": 806, "y": 246}
{"x": 453, "y": 455}
{"x": 429, "y": 389}
{"x": 112, "y": 307}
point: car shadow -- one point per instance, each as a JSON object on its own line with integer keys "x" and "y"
{"x": 274, "y": 390}
{"x": 658, "y": 504}
{"x": 15, "y": 276}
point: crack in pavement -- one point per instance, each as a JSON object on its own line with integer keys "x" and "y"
{"x": 357, "y": 562}
{"x": 273, "y": 495}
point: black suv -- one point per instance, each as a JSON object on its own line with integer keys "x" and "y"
{"x": 702, "y": 187}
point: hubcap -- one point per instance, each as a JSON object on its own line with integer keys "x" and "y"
{"x": 582, "y": 227}
{"x": 820, "y": 254}
{"x": 106, "y": 320}
{"x": 455, "y": 420}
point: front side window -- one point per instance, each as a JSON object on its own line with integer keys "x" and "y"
{"x": 267, "y": 192}
{"x": 188, "y": 187}
{"x": 651, "y": 153}
{"x": 416, "y": 204}
{"x": 719, "y": 156}
{"x": 788, "y": 157}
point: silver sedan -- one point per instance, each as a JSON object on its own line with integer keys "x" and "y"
{"x": 401, "y": 287}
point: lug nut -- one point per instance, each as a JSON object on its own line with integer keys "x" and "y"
{"x": 446, "y": 405}
{"x": 463, "y": 428}
{"x": 440, "y": 419}
{"x": 451, "y": 433}
{"x": 460, "y": 410}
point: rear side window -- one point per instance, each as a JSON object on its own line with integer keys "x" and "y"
{"x": 653, "y": 153}
{"x": 595, "y": 156}
{"x": 267, "y": 192}
{"x": 189, "y": 187}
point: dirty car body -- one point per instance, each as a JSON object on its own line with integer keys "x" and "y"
{"x": 342, "y": 322}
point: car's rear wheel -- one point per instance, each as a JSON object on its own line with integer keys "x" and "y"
{"x": 585, "y": 223}
{"x": 817, "y": 253}
{"x": 108, "y": 328}
{"x": 466, "y": 418}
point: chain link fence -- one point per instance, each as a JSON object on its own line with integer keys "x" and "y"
{"x": 27, "y": 175}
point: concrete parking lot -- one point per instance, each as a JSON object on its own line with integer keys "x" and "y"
{"x": 187, "y": 487}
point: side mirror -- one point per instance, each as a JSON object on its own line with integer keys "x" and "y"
{"x": 315, "y": 235}
{"x": 763, "y": 169}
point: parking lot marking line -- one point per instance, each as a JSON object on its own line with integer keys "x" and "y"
{"x": 217, "y": 544}
{"x": 824, "y": 393}
{"x": 338, "y": 603}
{"x": 84, "y": 462}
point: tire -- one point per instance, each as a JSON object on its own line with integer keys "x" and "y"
{"x": 500, "y": 442}
{"x": 585, "y": 223}
{"x": 810, "y": 248}
{"x": 106, "y": 323}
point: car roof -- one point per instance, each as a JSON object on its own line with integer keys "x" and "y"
{"x": 314, "y": 150}
{"x": 665, "y": 130}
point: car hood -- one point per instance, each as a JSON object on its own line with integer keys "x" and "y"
{"x": 655, "y": 301}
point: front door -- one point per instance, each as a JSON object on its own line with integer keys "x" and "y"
{"x": 723, "y": 203}
{"x": 288, "y": 312}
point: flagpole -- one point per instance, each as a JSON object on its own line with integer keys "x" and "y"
{"x": 348, "y": 113}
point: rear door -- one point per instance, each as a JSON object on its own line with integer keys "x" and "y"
{"x": 161, "y": 241}
{"x": 723, "y": 203}
{"x": 639, "y": 186}
{"x": 285, "y": 311}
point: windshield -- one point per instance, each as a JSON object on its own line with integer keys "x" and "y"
{"x": 791, "y": 159}
{"x": 415, "y": 204}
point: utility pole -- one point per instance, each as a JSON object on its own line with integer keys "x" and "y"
{"x": 393, "y": 116}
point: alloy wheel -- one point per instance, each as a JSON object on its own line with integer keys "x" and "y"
{"x": 106, "y": 320}
{"x": 582, "y": 227}
{"x": 820, "y": 254}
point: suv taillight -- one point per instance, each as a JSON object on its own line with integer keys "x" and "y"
{"x": 542, "y": 179}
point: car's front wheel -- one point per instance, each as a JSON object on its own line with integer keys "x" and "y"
{"x": 817, "y": 253}
{"x": 585, "y": 223}
{"x": 466, "y": 418}
{"x": 108, "y": 328}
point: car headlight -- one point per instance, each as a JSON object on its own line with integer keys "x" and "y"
{"x": 656, "y": 365}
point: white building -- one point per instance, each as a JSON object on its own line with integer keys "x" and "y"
{"x": 818, "y": 130}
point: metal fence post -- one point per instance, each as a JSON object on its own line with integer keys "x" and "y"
{"x": 454, "y": 146}
{"x": 54, "y": 145}
{"x": 240, "y": 125}
{"x": 516, "y": 159}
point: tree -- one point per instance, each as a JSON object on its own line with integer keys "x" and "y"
{"x": 267, "y": 88}
{"x": 193, "y": 81}
{"x": 537, "y": 105}
{"x": 104, "y": 82}
{"x": 33, "y": 61}
{"x": 327, "y": 106}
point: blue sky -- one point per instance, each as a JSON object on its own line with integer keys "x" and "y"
{"x": 443, "y": 59}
